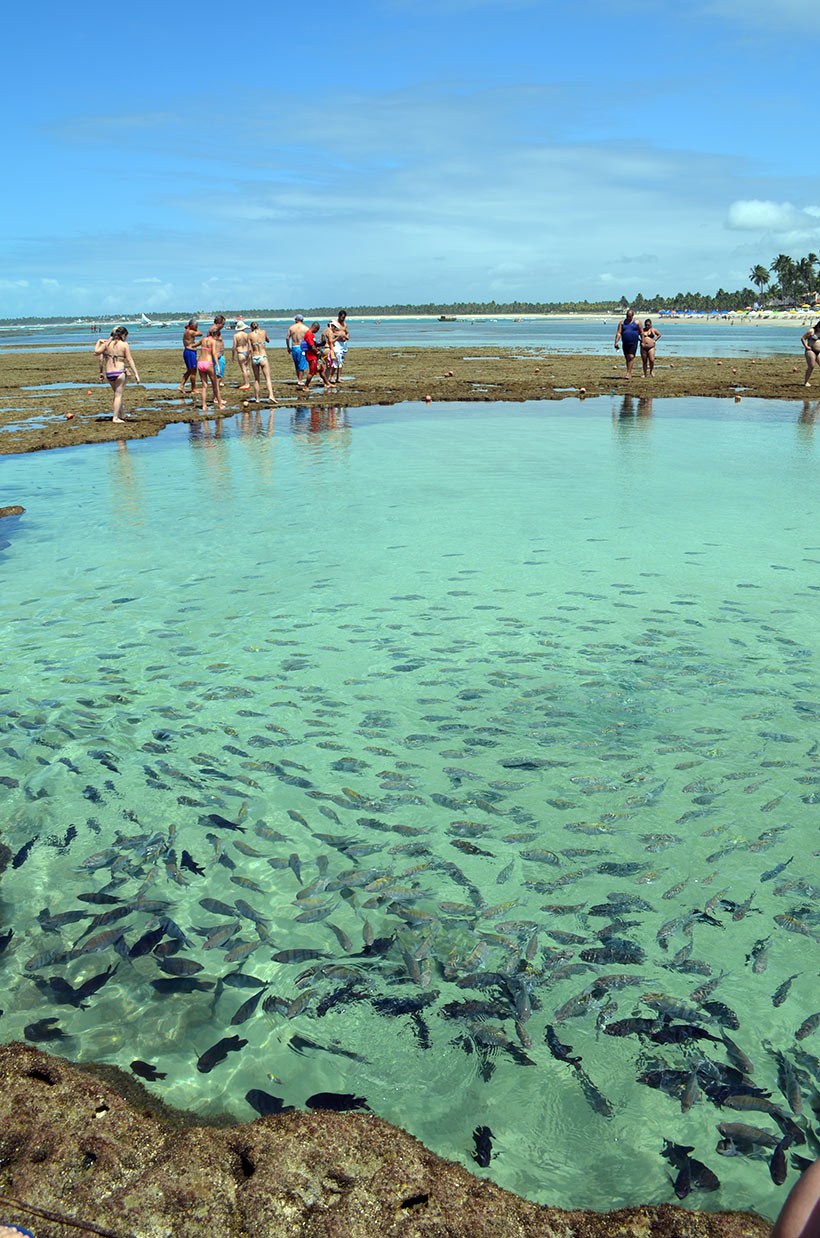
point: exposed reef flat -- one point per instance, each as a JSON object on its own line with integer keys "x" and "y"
{"x": 93, "y": 1146}
{"x": 37, "y": 411}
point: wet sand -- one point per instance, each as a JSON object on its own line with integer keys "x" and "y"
{"x": 31, "y": 420}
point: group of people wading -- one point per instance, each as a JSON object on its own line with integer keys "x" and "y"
{"x": 314, "y": 352}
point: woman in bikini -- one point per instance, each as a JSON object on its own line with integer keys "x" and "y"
{"x": 207, "y": 369}
{"x": 649, "y": 338}
{"x": 119, "y": 363}
{"x": 239, "y": 351}
{"x": 811, "y": 348}
{"x": 259, "y": 338}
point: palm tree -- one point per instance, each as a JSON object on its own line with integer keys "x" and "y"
{"x": 759, "y": 276}
{"x": 786, "y": 271}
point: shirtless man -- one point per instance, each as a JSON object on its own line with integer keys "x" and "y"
{"x": 293, "y": 342}
{"x": 339, "y": 337}
{"x": 219, "y": 354}
{"x": 118, "y": 364}
{"x": 240, "y": 351}
{"x": 259, "y": 338}
{"x": 189, "y": 338}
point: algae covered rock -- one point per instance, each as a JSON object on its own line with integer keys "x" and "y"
{"x": 75, "y": 1148}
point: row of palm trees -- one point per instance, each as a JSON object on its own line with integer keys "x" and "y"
{"x": 797, "y": 278}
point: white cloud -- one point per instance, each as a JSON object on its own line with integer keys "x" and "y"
{"x": 765, "y": 216}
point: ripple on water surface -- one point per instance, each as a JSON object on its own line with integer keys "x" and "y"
{"x": 463, "y": 764}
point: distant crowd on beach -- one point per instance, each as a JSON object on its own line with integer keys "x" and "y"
{"x": 315, "y": 353}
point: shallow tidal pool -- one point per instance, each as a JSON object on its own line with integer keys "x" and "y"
{"x": 461, "y": 762}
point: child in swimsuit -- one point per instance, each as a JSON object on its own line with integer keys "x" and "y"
{"x": 207, "y": 369}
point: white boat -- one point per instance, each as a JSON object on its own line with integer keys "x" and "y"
{"x": 145, "y": 322}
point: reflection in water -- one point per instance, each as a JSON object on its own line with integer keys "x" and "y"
{"x": 808, "y": 413}
{"x": 632, "y": 407}
{"x": 127, "y": 504}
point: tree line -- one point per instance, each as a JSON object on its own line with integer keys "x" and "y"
{"x": 786, "y": 281}
{"x": 796, "y": 279}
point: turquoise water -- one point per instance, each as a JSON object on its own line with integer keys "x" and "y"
{"x": 466, "y": 676}
{"x": 679, "y": 338}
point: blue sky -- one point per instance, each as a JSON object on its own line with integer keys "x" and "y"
{"x": 281, "y": 155}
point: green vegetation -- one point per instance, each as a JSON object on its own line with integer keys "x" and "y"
{"x": 796, "y": 283}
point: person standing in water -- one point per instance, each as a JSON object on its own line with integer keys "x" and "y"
{"x": 189, "y": 338}
{"x": 219, "y": 355}
{"x": 811, "y": 351}
{"x": 259, "y": 338}
{"x": 649, "y": 338}
{"x": 206, "y": 365}
{"x": 293, "y": 342}
{"x": 628, "y": 336}
{"x": 118, "y": 364}
{"x": 240, "y": 351}
{"x": 340, "y": 339}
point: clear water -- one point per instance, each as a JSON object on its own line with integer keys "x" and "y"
{"x": 700, "y": 338}
{"x": 387, "y": 633}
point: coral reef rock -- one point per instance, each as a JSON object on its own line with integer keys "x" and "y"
{"x": 107, "y": 1156}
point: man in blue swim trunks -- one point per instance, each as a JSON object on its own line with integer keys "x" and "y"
{"x": 293, "y": 342}
{"x": 219, "y": 356}
{"x": 629, "y": 336}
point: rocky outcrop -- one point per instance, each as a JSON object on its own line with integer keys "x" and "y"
{"x": 13, "y": 510}
{"x": 84, "y": 1154}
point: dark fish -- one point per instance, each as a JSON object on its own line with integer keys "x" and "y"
{"x": 300, "y": 1044}
{"x": 187, "y": 861}
{"x": 217, "y": 907}
{"x": 483, "y": 1139}
{"x": 560, "y": 1051}
{"x": 98, "y": 898}
{"x": 146, "y": 1071}
{"x": 239, "y": 980}
{"x": 782, "y": 991}
{"x": 246, "y": 1009}
{"x": 768, "y": 876}
{"x": 218, "y": 1052}
{"x": 297, "y": 956}
{"x": 43, "y": 1030}
{"x": 180, "y": 967}
{"x": 221, "y": 823}
{"x": 631, "y": 1027}
{"x": 146, "y": 943}
{"x": 22, "y": 855}
{"x": 265, "y": 1104}
{"x": 181, "y": 984}
{"x": 777, "y": 1165}
{"x": 341, "y": 1102}
{"x": 808, "y": 1026}
{"x": 5, "y": 938}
